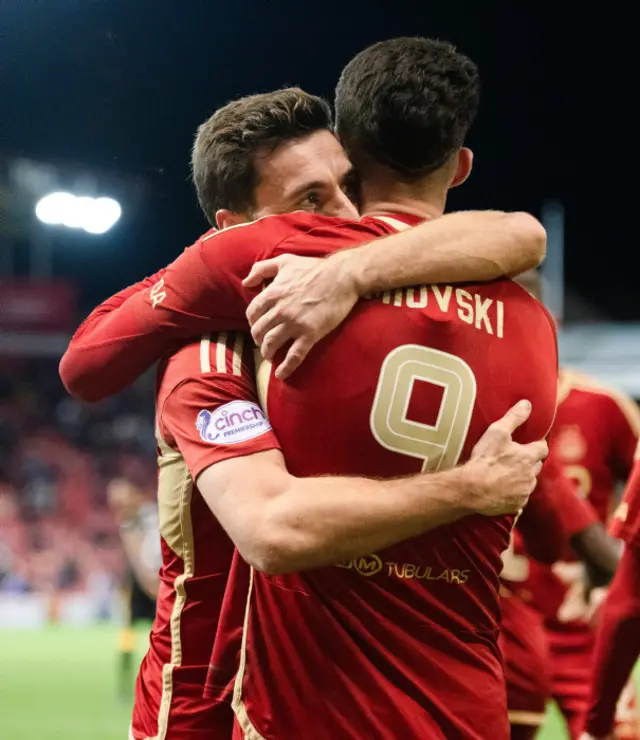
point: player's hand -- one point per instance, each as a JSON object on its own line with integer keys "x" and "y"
{"x": 505, "y": 472}
{"x": 587, "y": 736}
{"x": 306, "y": 299}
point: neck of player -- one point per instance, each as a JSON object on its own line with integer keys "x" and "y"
{"x": 381, "y": 194}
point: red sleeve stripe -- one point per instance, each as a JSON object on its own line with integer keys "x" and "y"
{"x": 222, "y": 354}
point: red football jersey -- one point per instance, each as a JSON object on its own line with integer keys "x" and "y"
{"x": 625, "y": 523}
{"x": 594, "y": 435}
{"x": 205, "y": 393}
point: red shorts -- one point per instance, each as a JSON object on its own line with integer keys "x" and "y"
{"x": 523, "y": 643}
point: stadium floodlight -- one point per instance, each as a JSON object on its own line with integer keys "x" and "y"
{"x": 93, "y": 215}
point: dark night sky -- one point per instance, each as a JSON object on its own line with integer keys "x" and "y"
{"x": 123, "y": 86}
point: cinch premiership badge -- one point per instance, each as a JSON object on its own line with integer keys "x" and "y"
{"x": 237, "y": 421}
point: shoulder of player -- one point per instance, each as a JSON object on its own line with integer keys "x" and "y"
{"x": 597, "y": 392}
{"x": 325, "y": 234}
{"x": 273, "y": 227}
{"x": 219, "y": 354}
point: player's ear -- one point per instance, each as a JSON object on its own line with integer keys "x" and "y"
{"x": 463, "y": 170}
{"x": 226, "y": 218}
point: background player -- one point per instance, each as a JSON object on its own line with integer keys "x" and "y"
{"x": 594, "y": 436}
{"x": 593, "y": 439}
{"x": 554, "y": 519}
{"x": 618, "y": 638}
{"x": 137, "y": 519}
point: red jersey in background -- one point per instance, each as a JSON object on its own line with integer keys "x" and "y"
{"x": 594, "y": 435}
{"x": 553, "y": 515}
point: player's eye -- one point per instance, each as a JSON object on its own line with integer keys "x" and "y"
{"x": 312, "y": 201}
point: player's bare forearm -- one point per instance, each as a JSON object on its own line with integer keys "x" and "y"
{"x": 599, "y": 552}
{"x": 617, "y": 644}
{"x": 281, "y": 524}
{"x": 458, "y": 247}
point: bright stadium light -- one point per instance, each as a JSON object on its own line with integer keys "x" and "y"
{"x": 93, "y": 215}
{"x": 104, "y": 213}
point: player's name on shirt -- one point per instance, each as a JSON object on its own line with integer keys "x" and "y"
{"x": 485, "y": 314}
{"x": 372, "y": 565}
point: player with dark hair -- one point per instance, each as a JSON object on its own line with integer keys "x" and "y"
{"x": 380, "y": 619}
{"x": 230, "y": 180}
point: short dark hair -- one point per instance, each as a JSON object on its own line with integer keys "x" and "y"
{"x": 407, "y": 103}
{"x": 223, "y": 157}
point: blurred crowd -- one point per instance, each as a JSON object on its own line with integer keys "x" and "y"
{"x": 57, "y": 458}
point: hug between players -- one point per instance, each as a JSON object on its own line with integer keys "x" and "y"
{"x": 382, "y": 506}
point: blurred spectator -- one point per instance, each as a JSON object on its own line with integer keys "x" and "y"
{"x": 57, "y": 457}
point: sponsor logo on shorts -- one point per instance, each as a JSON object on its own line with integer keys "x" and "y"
{"x": 372, "y": 565}
{"x": 235, "y": 422}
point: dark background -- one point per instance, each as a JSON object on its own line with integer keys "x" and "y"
{"x": 121, "y": 87}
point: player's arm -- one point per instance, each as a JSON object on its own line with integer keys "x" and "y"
{"x": 309, "y": 299}
{"x": 624, "y": 424}
{"x": 557, "y": 510}
{"x": 281, "y": 523}
{"x": 114, "y": 302}
{"x": 458, "y": 247}
{"x": 200, "y": 291}
{"x": 80, "y": 368}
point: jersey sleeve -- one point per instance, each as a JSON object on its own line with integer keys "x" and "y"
{"x": 82, "y": 365}
{"x": 216, "y": 416}
{"x": 625, "y": 523}
{"x": 624, "y": 421}
{"x": 200, "y": 291}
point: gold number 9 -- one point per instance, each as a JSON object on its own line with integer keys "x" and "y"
{"x": 439, "y": 445}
